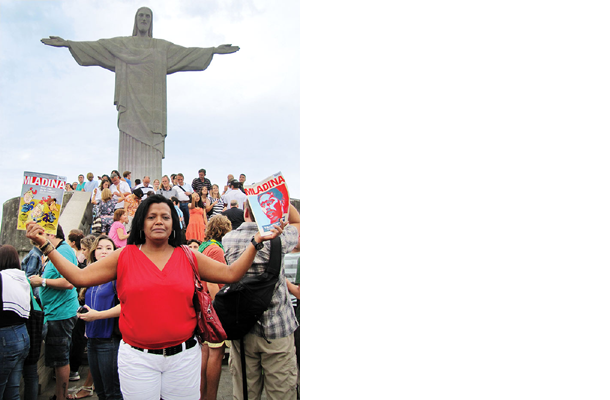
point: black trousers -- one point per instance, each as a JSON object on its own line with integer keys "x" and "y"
{"x": 77, "y": 348}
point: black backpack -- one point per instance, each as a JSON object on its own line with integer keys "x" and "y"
{"x": 240, "y": 305}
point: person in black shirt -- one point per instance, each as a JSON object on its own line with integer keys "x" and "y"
{"x": 200, "y": 182}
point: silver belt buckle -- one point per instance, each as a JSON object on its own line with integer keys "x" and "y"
{"x": 164, "y": 355}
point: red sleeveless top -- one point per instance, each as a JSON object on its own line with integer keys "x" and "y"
{"x": 156, "y": 306}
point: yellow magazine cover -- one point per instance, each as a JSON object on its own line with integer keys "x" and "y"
{"x": 41, "y": 199}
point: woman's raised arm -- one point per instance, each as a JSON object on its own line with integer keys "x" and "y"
{"x": 217, "y": 272}
{"x": 97, "y": 273}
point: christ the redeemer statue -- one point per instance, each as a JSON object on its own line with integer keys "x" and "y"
{"x": 141, "y": 64}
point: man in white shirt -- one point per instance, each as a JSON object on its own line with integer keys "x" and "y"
{"x": 117, "y": 188}
{"x": 235, "y": 194}
{"x": 145, "y": 186}
{"x": 184, "y": 191}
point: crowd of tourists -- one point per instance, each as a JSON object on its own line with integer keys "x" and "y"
{"x": 197, "y": 202}
{"x": 124, "y": 291}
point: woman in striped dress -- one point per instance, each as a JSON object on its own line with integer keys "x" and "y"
{"x": 216, "y": 206}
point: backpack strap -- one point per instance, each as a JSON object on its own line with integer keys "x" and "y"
{"x": 275, "y": 257}
{"x": 244, "y": 378}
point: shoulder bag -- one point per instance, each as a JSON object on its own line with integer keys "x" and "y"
{"x": 209, "y": 329}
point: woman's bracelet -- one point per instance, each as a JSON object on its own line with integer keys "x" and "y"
{"x": 47, "y": 248}
{"x": 49, "y": 251}
{"x": 45, "y": 245}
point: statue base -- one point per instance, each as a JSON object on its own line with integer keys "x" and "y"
{"x": 138, "y": 158}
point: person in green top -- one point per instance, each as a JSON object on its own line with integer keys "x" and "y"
{"x": 60, "y": 302}
{"x": 81, "y": 183}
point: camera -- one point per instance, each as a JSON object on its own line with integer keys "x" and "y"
{"x": 82, "y": 310}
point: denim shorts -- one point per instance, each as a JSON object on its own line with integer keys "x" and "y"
{"x": 57, "y": 342}
{"x": 14, "y": 348}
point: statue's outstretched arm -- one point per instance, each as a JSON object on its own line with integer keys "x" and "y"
{"x": 55, "y": 41}
{"x": 225, "y": 49}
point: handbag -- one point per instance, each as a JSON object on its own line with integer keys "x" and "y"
{"x": 208, "y": 329}
{"x": 96, "y": 227}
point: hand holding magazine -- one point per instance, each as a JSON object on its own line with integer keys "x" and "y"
{"x": 270, "y": 202}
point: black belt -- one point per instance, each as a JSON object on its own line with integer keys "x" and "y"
{"x": 184, "y": 202}
{"x": 170, "y": 351}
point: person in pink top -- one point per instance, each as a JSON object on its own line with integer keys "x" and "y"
{"x": 159, "y": 357}
{"x": 117, "y": 229}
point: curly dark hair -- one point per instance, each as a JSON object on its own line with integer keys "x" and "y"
{"x": 137, "y": 224}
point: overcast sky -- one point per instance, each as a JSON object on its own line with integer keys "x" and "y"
{"x": 240, "y": 115}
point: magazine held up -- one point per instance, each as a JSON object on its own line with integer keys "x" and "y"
{"x": 41, "y": 199}
{"x": 269, "y": 201}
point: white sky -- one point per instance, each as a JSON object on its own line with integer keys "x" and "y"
{"x": 240, "y": 115}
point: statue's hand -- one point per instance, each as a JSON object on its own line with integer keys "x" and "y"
{"x": 226, "y": 49}
{"x": 55, "y": 41}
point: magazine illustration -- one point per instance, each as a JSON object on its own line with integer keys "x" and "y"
{"x": 41, "y": 199}
{"x": 269, "y": 201}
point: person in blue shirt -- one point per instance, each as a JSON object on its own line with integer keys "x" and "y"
{"x": 32, "y": 265}
{"x": 102, "y": 309}
{"x": 127, "y": 177}
{"x": 91, "y": 184}
{"x": 60, "y": 302}
{"x": 180, "y": 215}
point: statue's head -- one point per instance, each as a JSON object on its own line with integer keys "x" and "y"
{"x": 143, "y": 21}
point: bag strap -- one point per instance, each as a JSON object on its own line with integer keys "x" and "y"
{"x": 189, "y": 254}
{"x": 196, "y": 277}
{"x": 275, "y": 257}
{"x": 244, "y": 378}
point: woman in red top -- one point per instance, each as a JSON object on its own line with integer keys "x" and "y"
{"x": 158, "y": 354}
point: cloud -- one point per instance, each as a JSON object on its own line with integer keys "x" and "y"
{"x": 239, "y": 115}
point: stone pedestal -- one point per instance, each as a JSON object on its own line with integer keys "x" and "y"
{"x": 138, "y": 158}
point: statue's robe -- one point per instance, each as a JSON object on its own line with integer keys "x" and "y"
{"x": 140, "y": 95}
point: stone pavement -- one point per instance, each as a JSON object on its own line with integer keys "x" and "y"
{"x": 225, "y": 389}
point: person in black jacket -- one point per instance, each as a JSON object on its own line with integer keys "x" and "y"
{"x": 235, "y": 215}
